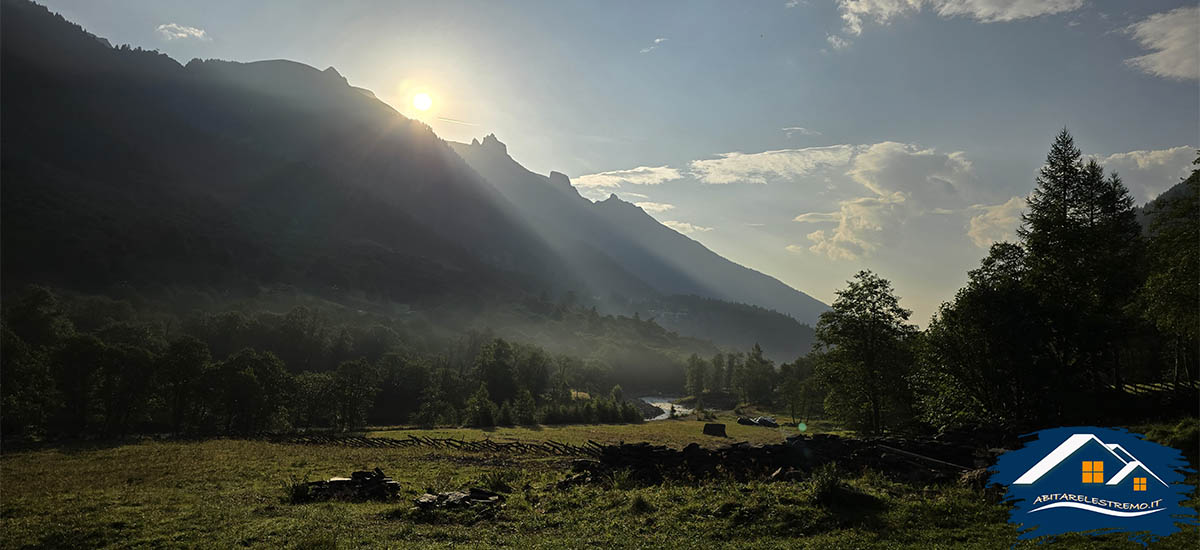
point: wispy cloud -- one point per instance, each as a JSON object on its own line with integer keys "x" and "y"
{"x": 836, "y": 41}
{"x": 882, "y": 12}
{"x": 1174, "y": 38}
{"x": 762, "y": 167}
{"x": 175, "y": 31}
{"x": 793, "y": 130}
{"x": 642, "y": 175}
{"x": 655, "y": 207}
{"x": 686, "y": 228}
{"x": 654, "y": 46}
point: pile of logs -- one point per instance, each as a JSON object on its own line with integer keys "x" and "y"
{"x": 359, "y": 487}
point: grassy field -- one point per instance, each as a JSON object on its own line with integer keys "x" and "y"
{"x": 674, "y": 433}
{"x": 230, "y": 494}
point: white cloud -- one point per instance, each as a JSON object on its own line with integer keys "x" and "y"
{"x": 905, "y": 181}
{"x": 861, "y": 223}
{"x": 768, "y": 165}
{"x": 686, "y": 228}
{"x": 996, "y": 223}
{"x": 1148, "y": 173}
{"x": 928, "y": 175}
{"x": 882, "y": 12}
{"x": 654, "y": 207}
{"x": 175, "y": 31}
{"x": 1174, "y": 37}
{"x": 793, "y": 130}
{"x": 642, "y": 175}
{"x": 634, "y": 195}
{"x": 654, "y": 46}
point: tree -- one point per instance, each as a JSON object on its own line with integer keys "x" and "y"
{"x": 695, "y": 375}
{"x": 1169, "y": 296}
{"x": 716, "y": 381}
{"x": 355, "y": 384}
{"x": 985, "y": 356}
{"x": 1084, "y": 248}
{"x": 27, "y": 393}
{"x": 480, "y": 410}
{"x": 799, "y": 386}
{"x": 76, "y": 367}
{"x": 495, "y": 367}
{"x": 617, "y": 394}
{"x": 125, "y": 385}
{"x": 525, "y": 408}
{"x": 863, "y": 354}
{"x": 181, "y": 369}
{"x": 314, "y": 401}
{"x": 250, "y": 389}
{"x": 758, "y": 377}
{"x": 733, "y": 361}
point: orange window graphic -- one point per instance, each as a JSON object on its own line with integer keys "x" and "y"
{"x": 1093, "y": 471}
{"x": 1139, "y": 484}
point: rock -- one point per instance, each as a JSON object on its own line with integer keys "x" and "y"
{"x": 715, "y": 429}
{"x": 458, "y": 499}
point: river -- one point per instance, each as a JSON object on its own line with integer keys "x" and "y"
{"x": 664, "y": 402}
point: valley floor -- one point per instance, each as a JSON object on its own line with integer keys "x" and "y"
{"x": 225, "y": 493}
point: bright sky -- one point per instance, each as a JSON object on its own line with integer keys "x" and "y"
{"x": 806, "y": 139}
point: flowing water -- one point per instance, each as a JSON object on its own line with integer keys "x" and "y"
{"x": 664, "y": 402}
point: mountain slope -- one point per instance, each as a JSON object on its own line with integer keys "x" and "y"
{"x": 666, "y": 260}
{"x": 122, "y": 167}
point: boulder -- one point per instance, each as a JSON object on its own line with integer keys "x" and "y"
{"x": 714, "y": 429}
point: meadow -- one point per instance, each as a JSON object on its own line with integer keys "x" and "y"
{"x": 229, "y": 493}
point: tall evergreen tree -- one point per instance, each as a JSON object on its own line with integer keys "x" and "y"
{"x": 1083, "y": 243}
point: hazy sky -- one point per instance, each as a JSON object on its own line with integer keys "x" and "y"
{"x": 806, "y": 139}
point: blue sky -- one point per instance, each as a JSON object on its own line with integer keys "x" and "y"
{"x": 806, "y": 139}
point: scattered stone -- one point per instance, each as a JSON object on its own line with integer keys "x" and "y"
{"x": 458, "y": 499}
{"x": 921, "y": 461}
{"x": 714, "y": 429}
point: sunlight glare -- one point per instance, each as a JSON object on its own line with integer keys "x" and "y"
{"x": 422, "y": 101}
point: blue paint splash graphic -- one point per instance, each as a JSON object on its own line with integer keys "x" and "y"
{"x": 1112, "y": 481}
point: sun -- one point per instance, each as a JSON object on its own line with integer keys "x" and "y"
{"x": 422, "y": 101}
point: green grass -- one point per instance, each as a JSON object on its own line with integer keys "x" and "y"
{"x": 675, "y": 433}
{"x": 230, "y": 493}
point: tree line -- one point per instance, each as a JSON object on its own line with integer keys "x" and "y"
{"x": 1048, "y": 330}
{"x": 92, "y": 366}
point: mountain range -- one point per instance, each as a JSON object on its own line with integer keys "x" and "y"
{"x": 124, "y": 168}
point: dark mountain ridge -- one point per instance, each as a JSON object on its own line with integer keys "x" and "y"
{"x": 124, "y": 168}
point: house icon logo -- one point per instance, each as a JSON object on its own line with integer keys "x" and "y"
{"x": 1087, "y": 479}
